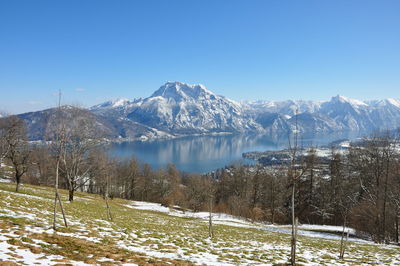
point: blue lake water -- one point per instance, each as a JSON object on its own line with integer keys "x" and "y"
{"x": 205, "y": 153}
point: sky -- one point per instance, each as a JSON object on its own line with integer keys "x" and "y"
{"x": 94, "y": 50}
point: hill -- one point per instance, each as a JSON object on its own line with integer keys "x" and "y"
{"x": 144, "y": 233}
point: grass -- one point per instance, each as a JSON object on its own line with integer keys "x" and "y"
{"x": 148, "y": 237}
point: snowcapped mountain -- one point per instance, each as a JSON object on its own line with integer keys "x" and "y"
{"x": 287, "y": 108}
{"x": 348, "y": 114}
{"x": 114, "y": 108}
{"x": 385, "y": 112}
{"x": 338, "y": 114}
{"x": 112, "y": 104}
{"x": 178, "y": 109}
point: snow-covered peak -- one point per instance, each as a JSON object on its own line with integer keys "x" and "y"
{"x": 117, "y": 103}
{"x": 394, "y": 102}
{"x": 385, "y": 103}
{"x": 183, "y": 91}
{"x": 288, "y": 107}
{"x": 342, "y": 99}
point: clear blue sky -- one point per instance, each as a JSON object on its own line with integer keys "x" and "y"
{"x": 273, "y": 50}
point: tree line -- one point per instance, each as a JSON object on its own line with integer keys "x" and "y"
{"x": 359, "y": 187}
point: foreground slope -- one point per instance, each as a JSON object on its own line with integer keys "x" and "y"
{"x": 145, "y": 236}
{"x": 178, "y": 109}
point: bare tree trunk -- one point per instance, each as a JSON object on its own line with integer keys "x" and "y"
{"x": 71, "y": 195}
{"x": 109, "y": 215}
{"x": 210, "y": 229}
{"x": 397, "y": 228}
{"x": 62, "y": 209}
{"x": 295, "y": 235}
{"x": 57, "y": 196}
{"x": 293, "y": 242}
{"x": 273, "y": 198}
{"x": 385, "y": 199}
{"x": 55, "y": 210}
{"x": 71, "y": 192}
{"x": 17, "y": 179}
{"x": 341, "y": 251}
{"x": 293, "y": 179}
{"x": 132, "y": 196}
{"x": 17, "y": 186}
{"x": 344, "y": 245}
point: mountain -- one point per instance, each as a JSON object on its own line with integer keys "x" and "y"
{"x": 348, "y": 114}
{"x": 41, "y": 124}
{"x": 179, "y": 109}
{"x": 287, "y": 107}
{"x": 386, "y": 112}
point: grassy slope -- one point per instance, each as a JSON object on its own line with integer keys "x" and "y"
{"x": 142, "y": 237}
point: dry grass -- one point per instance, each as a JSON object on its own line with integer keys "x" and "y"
{"x": 135, "y": 236}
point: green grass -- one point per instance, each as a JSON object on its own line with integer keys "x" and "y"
{"x": 90, "y": 237}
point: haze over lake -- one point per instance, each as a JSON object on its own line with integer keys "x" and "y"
{"x": 205, "y": 153}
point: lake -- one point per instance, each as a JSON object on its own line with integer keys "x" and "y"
{"x": 205, "y": 153}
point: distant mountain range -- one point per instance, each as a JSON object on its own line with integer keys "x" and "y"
{"x": 179, "y": 109}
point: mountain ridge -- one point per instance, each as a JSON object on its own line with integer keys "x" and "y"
{"x": 180, "y": 109}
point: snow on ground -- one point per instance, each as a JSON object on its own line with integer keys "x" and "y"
{"x": 320, "y": 231}
{"x": 327, "y": 228}
{"x": 317, "y": 231}
{"x": 25, "y": 256}
{"x": 217, "y": 218}
{"x": 159, "y": 236}
{"x": 28, "y": 196}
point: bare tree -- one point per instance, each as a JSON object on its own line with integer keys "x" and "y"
{"x": 56, "y": 133}
{"x": 18, "y": 148}
{"x": 197, "y": 192}
{"x": 101, "y": 173}
{"x": 174, "y": 193}
{"x": 372, "y": 161}
{"x": 295, "y": 172}
{"x": 394, "y": 196}
{"x": 79, "y": 139}
{"x": 293, "y": 178}
{"x": 144, "y": 182}
{"x": 43, "y": 164}
{"x": 347, "y": 199}
{"x": 130, "y": 174}
{"x": 274, "y": 191}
